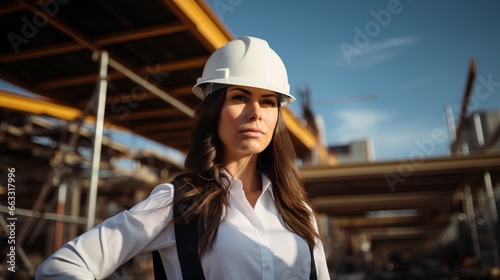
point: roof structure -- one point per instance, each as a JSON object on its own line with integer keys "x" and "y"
{"x": 53, "y": 45}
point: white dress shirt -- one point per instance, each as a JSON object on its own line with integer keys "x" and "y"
{"x": 252, "y": 243}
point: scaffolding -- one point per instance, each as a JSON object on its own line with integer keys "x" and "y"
{"x": 66, "y": 158}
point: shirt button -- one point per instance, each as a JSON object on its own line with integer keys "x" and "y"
{"x": 267, "y": 268}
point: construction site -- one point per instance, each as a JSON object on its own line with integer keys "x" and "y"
{"x": 103, "y": 112}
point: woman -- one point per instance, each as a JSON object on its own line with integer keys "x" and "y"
{"x": 243, "y": 186}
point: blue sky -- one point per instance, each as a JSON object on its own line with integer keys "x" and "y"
{"x": 411, "y": 59}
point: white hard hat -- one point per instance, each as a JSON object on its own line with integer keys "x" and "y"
{"x": 245, "y": 61}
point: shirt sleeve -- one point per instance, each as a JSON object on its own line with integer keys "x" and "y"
{"x": 320, "y": 261}
{"x": 100, "y": 251}
{"x": 320, "y": 257}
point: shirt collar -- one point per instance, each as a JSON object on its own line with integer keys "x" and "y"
{"x": 266, "y": 184}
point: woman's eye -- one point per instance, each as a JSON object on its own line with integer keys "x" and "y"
{"x": 239, "y": 97}
{"x": 270, "y": 103}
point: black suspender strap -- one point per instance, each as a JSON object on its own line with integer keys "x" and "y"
{"x": 158, "y": 268}
{"x": 186, "y": 239}
{"x": 313, "y": 275}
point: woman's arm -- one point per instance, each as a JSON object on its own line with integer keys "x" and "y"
{"x": 100, "y": 251}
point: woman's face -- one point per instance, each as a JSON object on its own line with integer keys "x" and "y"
{"x": 247, "y": 121}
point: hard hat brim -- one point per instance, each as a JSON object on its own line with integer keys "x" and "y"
{"x": 200, "y": 88}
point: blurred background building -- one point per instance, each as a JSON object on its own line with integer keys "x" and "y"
{"x": 356, "y": 151}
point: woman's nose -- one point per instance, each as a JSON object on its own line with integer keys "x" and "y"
{"x": 255, "y": 111}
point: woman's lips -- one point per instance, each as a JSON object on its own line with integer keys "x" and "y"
{"x": 253, "y": 132}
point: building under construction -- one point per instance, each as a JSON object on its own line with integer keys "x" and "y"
{"x": 105, "y": 114}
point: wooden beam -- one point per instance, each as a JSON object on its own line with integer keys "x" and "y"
{"x": 9, "y": 8}
{"x": 140, "y": 33}
{"x": 114, "y": 62}
{"x": 171, "y": 66}
{"x": 42, "y": 52}
{"x": 378, "y": 183}
{"x": 404, "y": 221}
{"x": 65, "y": 28}
{"x": 146, "y": 114}
{"x": 443, "y": 165}
{"x": 399, "y": 232}
{"x": 167, "y": 125}
{"x": 414, "y": 246}
{"x": 127, "y": 97}
{"x": 177, "y": 136}
{"x": 391, "y": 201}
{"x": 115, "y": 38}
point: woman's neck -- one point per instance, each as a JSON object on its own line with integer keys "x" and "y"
{"x": 245, "y": 170}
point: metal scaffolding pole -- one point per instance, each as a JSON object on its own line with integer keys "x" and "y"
{"x": 152, "y": 88}
{"x": 102, "y": 84}
{"x": 465, "y": 103}
{"x": 493, "y": 215}
{"x": 45, "y": 215}
{"x": 471, "y": 220}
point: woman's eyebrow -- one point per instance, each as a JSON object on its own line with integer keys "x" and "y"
{"x": 270, "y": 95}
{"x": 245, "y": 91}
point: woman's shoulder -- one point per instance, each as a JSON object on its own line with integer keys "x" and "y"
{"x": 164, "y": 189}
{"x": 161, "y": 197}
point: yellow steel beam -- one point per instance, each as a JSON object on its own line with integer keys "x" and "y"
{"x": 294, "y": 127}
{"x": 38, "y": 107}
{"x": 205, "y": 21}
{"x": 307, "y": 138}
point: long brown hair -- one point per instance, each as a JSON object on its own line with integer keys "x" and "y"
{"x": 208, "y": 185}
